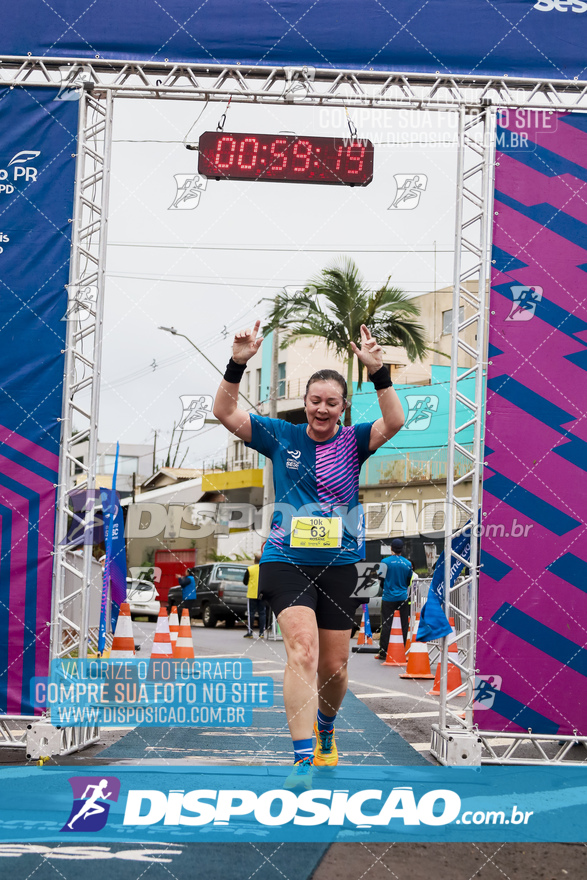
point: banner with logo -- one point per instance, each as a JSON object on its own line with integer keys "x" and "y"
{"x": 37, "y": 167}
{"x": 114, "y": 579}
{"x": 426, "y": 409}
{"x": 530, "y": 38}
{"x": 532, "y": 627}
{"x": 254, "y": 804}
{"x": 433, "y": 621}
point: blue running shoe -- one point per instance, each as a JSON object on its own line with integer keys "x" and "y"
{"x": 301, "y": 775}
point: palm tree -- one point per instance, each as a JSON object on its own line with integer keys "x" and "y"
{"x": 335, "y": 304}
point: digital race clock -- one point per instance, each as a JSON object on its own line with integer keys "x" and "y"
{"x": 289, "y": 158}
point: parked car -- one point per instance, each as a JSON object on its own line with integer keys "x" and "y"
{"x": 142, "y": 597}
{"x": 221, "y": 594}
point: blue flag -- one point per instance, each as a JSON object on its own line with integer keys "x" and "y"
{"x": 433, "y": 622}
{"x": 368, "y": 630}
{"x": 115, "y": 563}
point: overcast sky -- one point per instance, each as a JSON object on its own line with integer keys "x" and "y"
{"x": 203, "y": 271}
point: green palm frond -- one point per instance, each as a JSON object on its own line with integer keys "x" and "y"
{"x": 335, "y": 303}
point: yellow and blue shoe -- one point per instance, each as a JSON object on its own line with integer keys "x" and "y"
{"x": 325, "y": 753}
{"x": 301, "y": 776}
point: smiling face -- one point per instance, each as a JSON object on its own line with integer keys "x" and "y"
{"x": 324, "y": 406}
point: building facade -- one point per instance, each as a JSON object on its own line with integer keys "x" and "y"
{"x": 402, "y": 486}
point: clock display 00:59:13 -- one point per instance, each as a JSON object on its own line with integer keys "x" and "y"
{"x": 289, "y": 158}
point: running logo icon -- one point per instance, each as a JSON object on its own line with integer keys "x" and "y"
{"x": 486, "y": 687}
{"x": 81, "y": 302}
{"x": 90, "y": 802}
{"x": 297, "y": 83}
{"x": 369, "y": 578}
{"x": 421, "y": 409}
{"x": 409, "y": 190}
{"x": 524, "y": 302}
{"x": 73, "y": 79}
{"x": 189, "y": 189}
{"x": 195, "y": 409}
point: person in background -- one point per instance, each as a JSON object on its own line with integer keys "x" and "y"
{"x": 398, "y": 578}
{"x": 187, "y": 583}
{"x": 255, "y": 605}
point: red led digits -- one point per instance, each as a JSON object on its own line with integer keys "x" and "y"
{"x": 223, "y": 154}
{"x": 302, "y": 150}
{"x": 358, "y": 159}
{"x": 287, "y": 158}
{"x": 252, "y": 153}
{"x": 278, "y": 154}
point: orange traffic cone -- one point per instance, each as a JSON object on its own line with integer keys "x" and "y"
{"x": 453, "y": 673}
{"x": 162, "y": 649}
{"x": 184, "y": 646}
{"x": 123, "y": 643}
{"x": 396, "y": 654}
{"x": 361, "y": 639}
{"x": 173, "y": 625}
{"x": 412, "y": 630}
{"x": 418, "y": 662}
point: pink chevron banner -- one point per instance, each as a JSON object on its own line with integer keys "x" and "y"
{"x": 532, "y": 628}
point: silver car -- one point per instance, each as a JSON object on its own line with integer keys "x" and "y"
{"x": 142, "y": 597}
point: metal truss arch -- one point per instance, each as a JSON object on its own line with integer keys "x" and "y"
{"x": 96, "y": 83}
{"x": 287, "y": 85}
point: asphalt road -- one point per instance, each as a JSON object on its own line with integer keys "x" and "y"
{"x": 403, "y": 704}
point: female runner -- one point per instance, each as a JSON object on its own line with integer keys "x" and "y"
{"x": 308, "y": 569}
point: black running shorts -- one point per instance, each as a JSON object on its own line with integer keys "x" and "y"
{"x": 326, "y": 590}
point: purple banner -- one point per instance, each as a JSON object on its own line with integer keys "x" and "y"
{"x": 532, "y": 629}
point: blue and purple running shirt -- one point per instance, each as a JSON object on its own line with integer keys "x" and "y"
{"x": 312, "y": 479}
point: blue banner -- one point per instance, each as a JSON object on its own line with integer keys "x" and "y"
{"x": 530, "y": 38}
{"x": 115, "y": 562}
{"x": 360, "y": 804}
{"x": 38, "y": 146}
{"x": 433, "y": 622}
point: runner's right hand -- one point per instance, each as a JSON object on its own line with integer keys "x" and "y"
{"x": 246, "y": 344}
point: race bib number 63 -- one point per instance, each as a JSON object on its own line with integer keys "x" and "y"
{"x": 316, "y": 532}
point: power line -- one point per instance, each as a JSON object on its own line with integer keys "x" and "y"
{"x": 189, "y": 279}
{"x": 142, "y": 141}
{"x": 146, "y": 371}
{"x": 176, "y": 358}
{"x": 279, "y": 249}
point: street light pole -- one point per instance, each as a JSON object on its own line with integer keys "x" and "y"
{"x": 177, "y": 333}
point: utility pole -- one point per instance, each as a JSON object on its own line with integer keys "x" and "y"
{"x": 154, "y": 450}
{"x": 274, "y": 375}
{"x": 435, "y": 333}
{"x": 268, "y": 489}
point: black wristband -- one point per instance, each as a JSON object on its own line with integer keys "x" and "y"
{"x": 381, "y": 379}
{"x": 234, "y": 372}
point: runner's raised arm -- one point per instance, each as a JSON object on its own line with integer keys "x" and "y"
{"x": 226, "y": 408}
{"x": 392, "y": 415}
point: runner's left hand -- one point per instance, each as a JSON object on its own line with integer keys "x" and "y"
{"x": 370, "y": 353}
